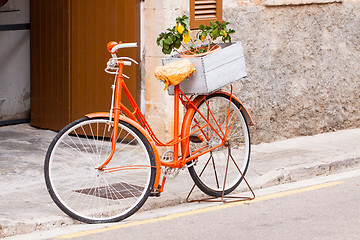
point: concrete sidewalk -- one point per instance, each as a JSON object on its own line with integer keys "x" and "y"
{"x": 26, "y": 205}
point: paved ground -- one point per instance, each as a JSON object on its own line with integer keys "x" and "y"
{"x": 25, "y": 205}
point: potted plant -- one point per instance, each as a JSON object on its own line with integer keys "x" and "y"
{"x": 225, "y": 64}
{"x": 179, "y": 35}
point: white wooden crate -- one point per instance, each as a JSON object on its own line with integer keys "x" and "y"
{"x": 213, "y": 71}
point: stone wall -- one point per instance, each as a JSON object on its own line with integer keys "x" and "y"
{"x": 303, "y": 67}
{"x": 302, "y": 61}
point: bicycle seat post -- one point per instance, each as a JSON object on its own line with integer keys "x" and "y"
{"x": 176, "y": 122}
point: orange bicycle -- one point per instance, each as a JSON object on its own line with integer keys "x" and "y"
{"x": 103, "y": 167}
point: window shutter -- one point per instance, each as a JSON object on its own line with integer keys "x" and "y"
{"x": 204, "y": 11}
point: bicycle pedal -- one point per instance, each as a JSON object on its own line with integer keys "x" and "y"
{"x": 155, "y": 194}
{"x": 196, "y": 138}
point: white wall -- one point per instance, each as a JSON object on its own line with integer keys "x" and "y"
{"x": 15, "y": 62}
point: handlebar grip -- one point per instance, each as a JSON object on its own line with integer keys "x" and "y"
{"x": 127, "y": 63}
{"x": 114, "y": 46}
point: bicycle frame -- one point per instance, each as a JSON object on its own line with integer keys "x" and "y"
{"x": 103, "y": 167}
{"x": 137, "y": 119}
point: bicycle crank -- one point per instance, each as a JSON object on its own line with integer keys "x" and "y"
{"x": 169, "y": 172}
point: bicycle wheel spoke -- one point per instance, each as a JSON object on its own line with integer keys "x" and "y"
{"x": 88, "y": 141}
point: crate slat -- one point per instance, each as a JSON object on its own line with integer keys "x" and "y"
{"x": 213, "y": 71}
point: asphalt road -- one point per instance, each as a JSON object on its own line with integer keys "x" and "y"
{"x": 319, "y": 208}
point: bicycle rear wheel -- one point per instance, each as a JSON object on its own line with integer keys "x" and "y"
{"x": 91, "y": 195}
{"x": 212, "y": 168}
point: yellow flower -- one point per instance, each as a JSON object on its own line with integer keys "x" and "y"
{"x": 203, "y": 38}
{"x": 180, "y": 29}
{"x": 187, "y": 38}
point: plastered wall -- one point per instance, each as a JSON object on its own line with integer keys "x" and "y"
{"x": 15, "y": 62}
{"x": 303, "y": 66}
{"x": 302, "y": 61}
{"x": 158, "y": 16}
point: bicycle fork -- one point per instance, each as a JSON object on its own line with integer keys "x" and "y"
{"x": 116, "y": 112}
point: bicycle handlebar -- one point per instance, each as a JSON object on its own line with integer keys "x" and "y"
{"x": 112, "y": 64}
{"x": 114, "y": 46}
{"x": 123, "y": 45}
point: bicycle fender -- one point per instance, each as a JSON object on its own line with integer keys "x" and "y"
{"x": 244, "y": 111}
{"x": 144, "y": 132}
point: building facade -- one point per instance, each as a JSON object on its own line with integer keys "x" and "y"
{"x": 302, "y": 59}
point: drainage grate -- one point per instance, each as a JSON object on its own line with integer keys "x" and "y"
{"x": 114, "y": 191}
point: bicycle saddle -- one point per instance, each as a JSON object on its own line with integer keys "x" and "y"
{"x": 173, "y": 73}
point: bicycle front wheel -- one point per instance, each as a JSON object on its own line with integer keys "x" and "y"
{"x": 91, "y": 195}
{"x": 218, "y": 170}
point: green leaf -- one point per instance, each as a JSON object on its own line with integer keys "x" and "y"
{"x": 168, "y": 41}
{"x": 177, "y": 43}
{"x": 187, "y": 22}
{"x": 165, "y": 51}
{"x": 161, "y": 43}
{"x": 160, "y": 37}
{"x": 214, "y": 33}
{"x": 202, "y": 50}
